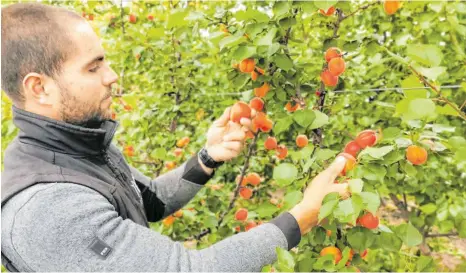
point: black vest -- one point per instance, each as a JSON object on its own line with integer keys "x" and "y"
{"x": 51, "y": 151}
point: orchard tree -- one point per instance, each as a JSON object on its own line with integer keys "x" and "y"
{"x": 380, "y": 82}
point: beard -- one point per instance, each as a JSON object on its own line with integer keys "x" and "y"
{"x": 84, "y": 114}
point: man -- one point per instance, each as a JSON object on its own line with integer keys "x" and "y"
{"x": 70, "y": 202}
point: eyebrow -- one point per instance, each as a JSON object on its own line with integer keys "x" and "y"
{"x": 98, "y": 58}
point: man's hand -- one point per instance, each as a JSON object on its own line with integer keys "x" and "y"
{"x": 225, "y": 138}
{"x": 307, "y": 211}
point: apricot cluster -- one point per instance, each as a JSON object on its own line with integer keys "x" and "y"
{"x": 335, "y": 67}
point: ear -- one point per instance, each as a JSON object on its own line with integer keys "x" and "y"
{"x": 33, "y": 86}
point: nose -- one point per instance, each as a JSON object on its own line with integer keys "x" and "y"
{"x": 110, "y": 77}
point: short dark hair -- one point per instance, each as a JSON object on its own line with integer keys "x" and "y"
{"x": 33, "y": 40}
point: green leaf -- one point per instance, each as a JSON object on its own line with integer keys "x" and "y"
{"x": 462, "y": 229}
{"x": 426, "y": 54}
{"x": 251, "y": 14}
{"x": 360, "y": 238}
{"x": 327, "y": 209}
{"x": 428, "y": 208}
{"x": 304, "y": 117}
{"x": 285, "y": 260}
{"x": 447, "y": 110}
{"x": 432, "y": 73}
{"x": 324, "y": 154}
{"x": 324, "y": 4}
{"x": 282, "y": 125}
{"x": 420, "y": 109}
{"x": 292, "y": 198}
{"x": 285, "y": 174}
{"x": 231, "y": 41}
{"x": 266, "y": 209}
{"x": 371, "y": 201}
{"x": 356, "y": 185}
{"x": 244, "y": 52}
{"x": 283, "y": 62}
{"x": 273, "y": 48}
{"x": 425, "y": 264}
{"x": 155, "y": 33}
{"x": 267, "y": 39}
{"x": 377, "y": 153}
{"x": 389, "y": 241}
{"x": 320, "y": 120}
{"x": 391, "y": 133}
{"x": 412, "y": 82}
{"x": 409, "y": 234}
{"x": 280, "y": 8}
{"x": 159, "y": 153}
{"x": 177, "y": 19}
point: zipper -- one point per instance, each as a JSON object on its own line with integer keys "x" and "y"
{"x": 113, "y": 168}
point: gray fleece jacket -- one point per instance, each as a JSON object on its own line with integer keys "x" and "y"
{"x": 54, "y": 226}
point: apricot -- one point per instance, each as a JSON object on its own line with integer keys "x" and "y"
{"x": 390, "y": 7}
{"x": 328, "y": 232}
{"x": 270, "y": 143}
{"x": 178, "y": 152}
{"x": 132, "y": 18}
{"x": 260, "y": 70}
{"x": 290, "y": 108}
{"x": 170, "y": 165}
{"x": 262, "y": 122}
{"x": 246, "y": 193}
{"x": 240, "y": 110}
{"x": 254, "y": 75}
{"x": 352, "y": 148}
{"x": 168, "y": 221}
{"x": 350, "y": 163}
{"x": 241, "y": 214}
{"x": 282, "y": 151}
{"x": 416, "y": 155}
{"x": 253, "y": 179}
{"x": 262, "y": 91}
{"x": 250, "y": 224}
{"x": 331, "y": 250}
{"x": 301, "y": 141}
{"x": 128, "y": 150}
{"x": 249, "y": 135}
{"x": 368, "y": 221}
{"x": 182, "y": 142}
{"x": 247, "y": 65}
{"x": 328, "y": 79}
{"x": 329, "y": 11}
{"x": 332, "y": 52}
{"x": 336, "y": 66}
{"x": 366, "y": 138}
{"x": 364, "y": 254}
{"x": 150, "y": 17}
{"x": 178, "y": 213}
{"x": 257, "y": 104}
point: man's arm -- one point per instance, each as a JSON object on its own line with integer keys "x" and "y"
{"x": 174, "y": 189}
{"x": 53, "y": 227}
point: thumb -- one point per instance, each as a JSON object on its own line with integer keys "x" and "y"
{"x": 342, "y": 189}
{"x": 336, "y": 167}
{"x": 223, "y": 120}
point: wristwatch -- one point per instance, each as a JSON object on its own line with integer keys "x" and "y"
{"x": 208, "y": 161}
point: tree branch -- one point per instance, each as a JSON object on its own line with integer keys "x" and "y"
{"x": 360, "y": 9}
{"x": 436, "y": 90}
{"x": 441, "y": 235}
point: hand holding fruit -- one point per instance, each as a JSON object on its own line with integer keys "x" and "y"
{"x": 226, "y": 137}
{"x": 307, "y": 211}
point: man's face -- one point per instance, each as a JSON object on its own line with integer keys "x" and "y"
{"x": 84, "y": 87}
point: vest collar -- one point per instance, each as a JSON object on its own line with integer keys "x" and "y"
{"x": 63, "y": 137}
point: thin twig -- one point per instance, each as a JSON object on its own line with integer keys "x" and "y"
{"x": 436, "y": 90}
{"x": 441, "y": 235}
{"x": 360, "y": 9}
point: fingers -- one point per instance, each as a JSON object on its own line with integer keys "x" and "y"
{"x": 247, "y": 124}
{"x": 342, "y": 189}
{"x": 335, "y": 168}
{"x": 235, "y": 136}
{"x": 235, "y": 146}
{"x": 223, "y": 120}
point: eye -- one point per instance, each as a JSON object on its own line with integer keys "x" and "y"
{"x": 93, "y": 70}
